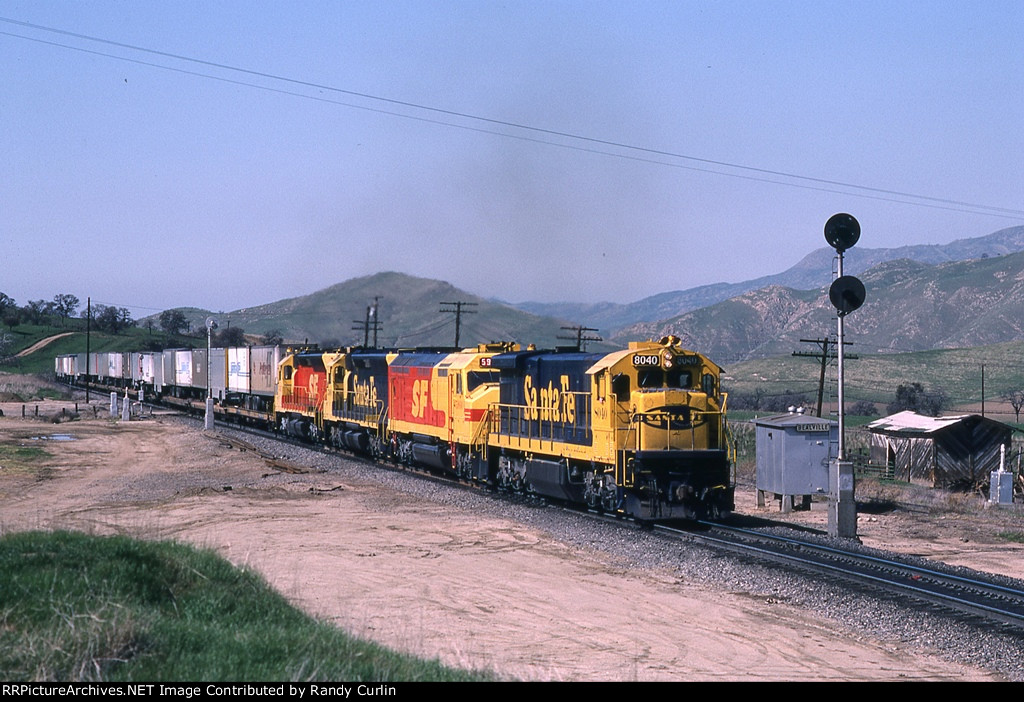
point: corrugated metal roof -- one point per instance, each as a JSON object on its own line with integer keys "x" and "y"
{"x": 912, "y": 421}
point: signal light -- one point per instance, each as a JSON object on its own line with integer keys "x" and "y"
{"x": 842, "y": 231}
{"x": 846, "y": 294}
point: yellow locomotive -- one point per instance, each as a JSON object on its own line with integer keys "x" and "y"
{"x": 639, "y": 431}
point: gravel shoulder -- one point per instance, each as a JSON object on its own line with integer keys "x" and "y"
{"x": 529, "y": 592}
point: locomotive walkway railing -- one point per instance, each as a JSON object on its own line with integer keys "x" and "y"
{"x": 364, "y": 415}
{"x": 300, "y": 400}
{"x": 518, "y": 425}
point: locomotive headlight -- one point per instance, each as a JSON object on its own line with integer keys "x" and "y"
{"x": 668, "y": 360}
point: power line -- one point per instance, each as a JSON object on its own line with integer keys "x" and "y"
{"x": 869, "y": 192}
{"x": 426, "y": 330}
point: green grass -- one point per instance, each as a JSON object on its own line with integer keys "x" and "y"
{"x": 15, "y": 459}
{"x": 75, "y": 607}
{"x": 41, "y": 362}
{"x": 1016, "y": 537}
{"x": 874, "y": 377}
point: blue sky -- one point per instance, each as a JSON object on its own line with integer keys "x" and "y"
{"x": 561, "y": 150}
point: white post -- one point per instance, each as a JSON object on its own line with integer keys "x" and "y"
{"x": 211, "y": 324}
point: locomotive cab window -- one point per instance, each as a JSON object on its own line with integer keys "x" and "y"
{"x": 287, "y": 372}
{"x": 656, "y": 378}
{"x": 475, "y": 379}
{"x": 679, "y": 378}
{"x": 650, "y": 378}
{"x": 708, "y": 384}
{"x": 620, "y": 387}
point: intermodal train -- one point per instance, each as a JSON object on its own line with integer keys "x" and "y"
{"x": 639, "y": 432}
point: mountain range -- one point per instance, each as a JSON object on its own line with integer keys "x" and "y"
{"x": 965, "y": 293}
{"x": 812, "y": 272}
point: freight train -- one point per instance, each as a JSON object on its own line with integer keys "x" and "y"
{"x": 639, "y": 432}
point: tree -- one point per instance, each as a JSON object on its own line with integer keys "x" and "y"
{"x": 273, "y": 337}
{"x": 747, "y": 401}
{"x": 37, "y": 310}
{"x": 863, "y": 408}
{"x": 112, "y": 319}
{"x": 232, "y": 336}
{"x": 914, "y": 398}
{"x": 65, "y": 305}
{"x": 9, "y": 312}
{"x": 105, "y": 318}
{"x": 1016, "y": 400}
{"x": 124, "y": 316}
{"x": 173, "y": 321}
{"x": 12, "y": 318}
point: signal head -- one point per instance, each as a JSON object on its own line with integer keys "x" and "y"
{"x": 847, "y": 294}
{"x": 842, "y": 231}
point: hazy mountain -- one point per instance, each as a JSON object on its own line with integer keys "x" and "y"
{"x": 910, "y": 306}
{"x": 813, "y": 271}
{"x": 408, "y": 314}
{"x": 919, "y": 297}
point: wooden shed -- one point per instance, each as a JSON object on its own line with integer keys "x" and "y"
{"x": 954, "y": 452}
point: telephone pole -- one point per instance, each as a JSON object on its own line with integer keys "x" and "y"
{"x": 456, "y": 309}
{"x": 824, "y": 355}
{"x": 371, "y": 322}
{"x": 581, "y": 341}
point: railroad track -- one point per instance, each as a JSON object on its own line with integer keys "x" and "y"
{"x": 978, "y": 597}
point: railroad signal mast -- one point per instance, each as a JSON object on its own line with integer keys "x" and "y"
{"x": 847, "y": 295}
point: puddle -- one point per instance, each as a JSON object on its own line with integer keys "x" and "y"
{"x": 53, "y": 437}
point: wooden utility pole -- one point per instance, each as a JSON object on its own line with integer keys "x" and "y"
{"x": 456, "y": 309}
{"x": 824, "y": 355}
{"x": 371, "y": 322}
{"x": 579, "y": 339}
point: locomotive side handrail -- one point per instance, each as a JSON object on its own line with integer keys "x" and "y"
{"x": 525, "y": 423}
{"x": 299, "y": 400}
{"x": 360, "y": 413}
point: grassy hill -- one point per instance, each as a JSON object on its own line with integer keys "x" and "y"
{"x": 409, "y": 313}
{"x": 874, "y": 377}
{"x": 83, "y": 608}
{"x": 41, "y": 362}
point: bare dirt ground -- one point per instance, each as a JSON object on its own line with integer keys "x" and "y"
{"x": 430, "y": 579}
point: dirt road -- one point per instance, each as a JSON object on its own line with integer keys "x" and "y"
{"x": 41, "y": 343}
